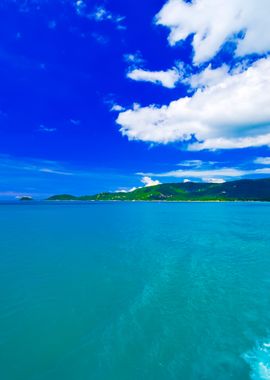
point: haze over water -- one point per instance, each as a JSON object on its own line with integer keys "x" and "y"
{"x": 117, "y": 291}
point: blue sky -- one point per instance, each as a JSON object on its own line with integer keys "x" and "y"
{"x": 97, "y": 95}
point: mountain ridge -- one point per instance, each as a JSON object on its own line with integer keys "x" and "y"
{"x": 239, "y": 190}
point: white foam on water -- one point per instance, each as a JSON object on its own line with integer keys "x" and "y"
{"x": 259, "y": 361}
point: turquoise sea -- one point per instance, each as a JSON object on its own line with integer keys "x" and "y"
{"x": 134, "y": 291}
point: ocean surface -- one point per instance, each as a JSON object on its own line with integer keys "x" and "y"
{"x": 134, "y": 291}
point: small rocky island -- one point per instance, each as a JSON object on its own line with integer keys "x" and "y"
{"x": 26, "y": 198}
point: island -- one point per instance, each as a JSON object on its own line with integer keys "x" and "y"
{"x": 26, "y": 198}
{"x": 240, "y": 190}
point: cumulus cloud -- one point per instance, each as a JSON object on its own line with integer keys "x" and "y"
{"x": 226, "y": 107}
{"x": 167, "y": 78}
{"x": 231, "y": 112}
{"x": 208, "y": 77}
{"x": 147, "y": 181}
{"x": 213, "y": 22}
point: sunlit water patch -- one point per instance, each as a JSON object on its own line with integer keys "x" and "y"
{"x": 259, "y": 361}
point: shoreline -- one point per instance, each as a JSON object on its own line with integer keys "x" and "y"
{"x": 157, "y": 201}
{"x": 137, "y": 201}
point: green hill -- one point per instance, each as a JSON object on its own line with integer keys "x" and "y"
{"x": 63, "y": 197}
{"x": 242, "y": 190}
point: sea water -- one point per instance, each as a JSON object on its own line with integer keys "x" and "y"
{"x": 134, "y": 291}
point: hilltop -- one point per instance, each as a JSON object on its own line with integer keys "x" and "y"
{"x": 241, "y": 190}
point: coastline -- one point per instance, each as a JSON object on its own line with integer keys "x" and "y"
{"x": 154, "y": 201}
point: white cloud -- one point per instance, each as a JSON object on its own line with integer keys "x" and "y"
{"x": 213, "y": 180}
{"x": 117, "y": 108}
{"x": 262, "y": 160}
{"x": 43, "y": 128}
{"x": 167, "y": 78}
{"x": 235, "y": 143}
{"x": 213, "y": 22}
{"x": 147, "y": 181}
{"x": 102, "y": 14}
{"x": 262, "y": 171}
{"x": 191, "y": 163}
{"x": 128, "y": 190}
{"x": 132, "y": 189}
{"x": 215, "y": 175}
{"x": 208, "y": 77}
{"x": 14, "y": 194}
{"x": 134, "y": 59}
{"x": 99, "y": 14}
{"x": 53, "y": 171}
{"x": 208, "y": 173}
{"x": 232, "y": 112}
{"x": 80, "y": 7}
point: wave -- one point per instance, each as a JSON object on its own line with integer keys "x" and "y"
{"x": 259, "y": 361}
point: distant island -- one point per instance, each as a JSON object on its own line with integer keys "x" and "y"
{"x": 26, "y": 198}
{"x": 241, "y": 190}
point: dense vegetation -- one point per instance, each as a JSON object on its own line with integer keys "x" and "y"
{"x": 242, "y": 190}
